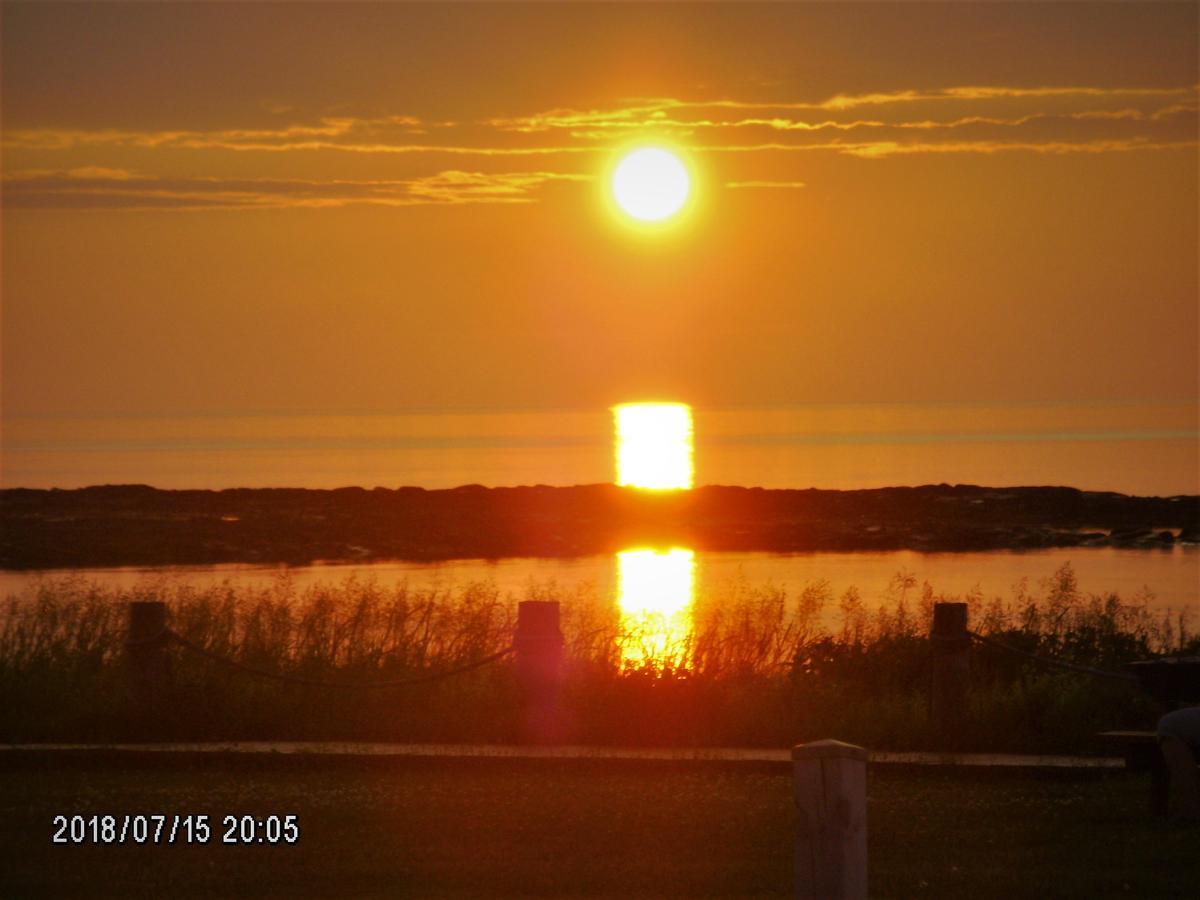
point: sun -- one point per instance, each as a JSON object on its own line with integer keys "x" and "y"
{"x": 654, "y": 445}
{"x": 651, "y": 184}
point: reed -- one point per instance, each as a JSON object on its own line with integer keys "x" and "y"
{"x": 759, "y": 666}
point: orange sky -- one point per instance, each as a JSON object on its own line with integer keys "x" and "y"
{"x": 308, "y": 207}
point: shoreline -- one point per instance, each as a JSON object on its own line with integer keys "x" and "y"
{"x": 137, "y": 525}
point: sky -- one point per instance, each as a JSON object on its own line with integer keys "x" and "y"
{"x": 218, "y": 209}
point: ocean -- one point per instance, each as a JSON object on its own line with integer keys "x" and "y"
{"x": 1142, "y": 448}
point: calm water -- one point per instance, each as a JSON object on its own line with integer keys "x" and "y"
{"x": 1146, "y": 448}
{"x": 663, "y": 580}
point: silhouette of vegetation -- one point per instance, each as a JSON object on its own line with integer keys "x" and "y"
{"x": 761, "y": 666}
{"x": 123, "y": 525}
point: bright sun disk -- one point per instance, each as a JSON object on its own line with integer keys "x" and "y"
{"x": 651, "y": 184}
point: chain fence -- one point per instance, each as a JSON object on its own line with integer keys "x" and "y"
{"x": 1054, "y": 663}
{"x": 168, "y": 635}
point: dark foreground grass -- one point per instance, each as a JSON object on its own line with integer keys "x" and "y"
{"x": 749, "y": 665}
{"x": 404, "y": 828}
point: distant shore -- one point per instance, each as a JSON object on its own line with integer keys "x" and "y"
{"x": 118, "y": 525}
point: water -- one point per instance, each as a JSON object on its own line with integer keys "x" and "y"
{"x": 1142, "y": 448}
{"x": 1165, "y": 578}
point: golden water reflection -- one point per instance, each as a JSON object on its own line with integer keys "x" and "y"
{"x": 655, "y": 597}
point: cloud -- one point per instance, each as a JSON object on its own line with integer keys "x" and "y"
{"x": 780, "y": 123}
{"x": 106, "y": 190}
{"x": 880, "y": 149}
{"x": 82, "y": 173}
{"x": 993, "y": 92}
{"x": 454, "y": 186}
{"x": 393, "y": 134}
{"x": 630, "y": 113}
{"x": 379, "y": 135}
{"x": 63, "y": 139}
{"x": 648, "y": 112}
{"x": 96, "y": 167}
{"x": 1054, "y": 148}
{"x": 764, "y": 184}
{"x": 103, "y": 172}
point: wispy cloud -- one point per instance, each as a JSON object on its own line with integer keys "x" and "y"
{"x": 116, "y": 189}
{"x": 248, "y": 142}
{"x": 455, "y": 186}
{"x": 80, "y": 173}
{"x": 993, "y": 92}
{"x": 764, "y": 184}
{"x": 667, "y": 112}
{"x": 689, "y": 127}
{"x": 879, "y": 149}
{"x": 394, "y": 134}
{"x": 326, "y": 128}
{"x": 981, "y": 120}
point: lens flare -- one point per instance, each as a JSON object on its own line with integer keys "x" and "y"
{"x": 654, "y": 445}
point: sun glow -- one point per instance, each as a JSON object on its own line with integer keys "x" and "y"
{"x": 651, "y": 184}
{"x": 654, "y": 445}
{"x": 655, "y": 591}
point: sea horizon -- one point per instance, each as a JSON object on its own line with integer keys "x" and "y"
{"x": 1090, "y": 446}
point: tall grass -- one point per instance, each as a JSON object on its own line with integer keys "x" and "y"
{"x": 759, "y": 666}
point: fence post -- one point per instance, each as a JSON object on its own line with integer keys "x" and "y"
{"x": 830, "y": 785}
{"x": 539, "y": 650}
{"x": 950, "y": 652}
{"x": 146, "y": 653}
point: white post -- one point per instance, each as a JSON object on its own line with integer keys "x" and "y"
{"x": 830, "y": 781}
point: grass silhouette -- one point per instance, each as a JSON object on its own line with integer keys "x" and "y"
{"x": 761, "y": 666}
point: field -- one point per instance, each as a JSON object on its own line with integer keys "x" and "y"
{"x": 755, "y": 666}
{"x": 470, "y": 829}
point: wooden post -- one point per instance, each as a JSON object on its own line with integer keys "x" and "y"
{"x": 950, "y": 653}
{"x": 146, "y": 652}
{"x": 830, "y": 784}
{"x": 1176, "y": 791}
{"x": 539, "y": 650}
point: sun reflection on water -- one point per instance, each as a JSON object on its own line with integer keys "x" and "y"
{"x": 655, "y": 596}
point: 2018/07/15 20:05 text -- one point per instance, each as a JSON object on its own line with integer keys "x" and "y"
{"x": 171, "y": 829}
